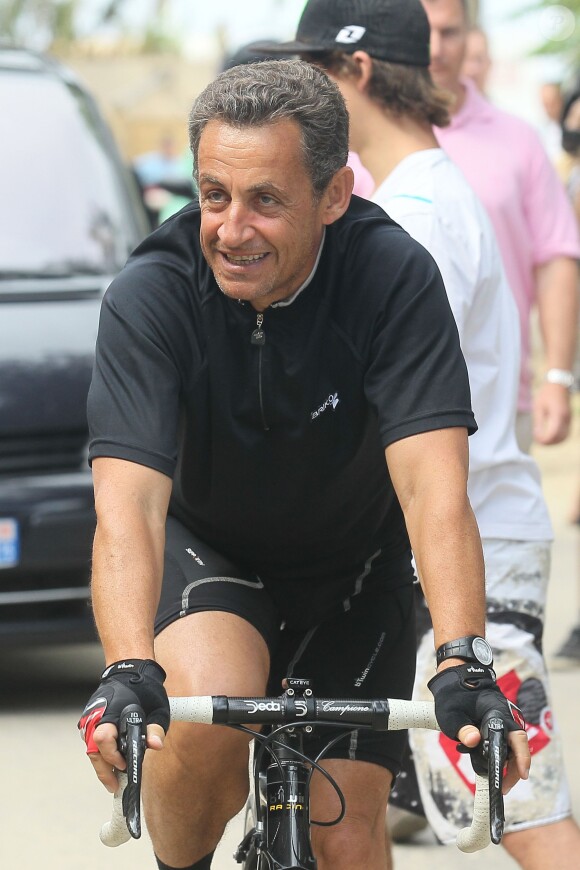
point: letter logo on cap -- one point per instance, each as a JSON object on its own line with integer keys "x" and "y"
{"x": 351, "y": 33}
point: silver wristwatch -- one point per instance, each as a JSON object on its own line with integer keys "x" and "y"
{"x": 471, "y": 649}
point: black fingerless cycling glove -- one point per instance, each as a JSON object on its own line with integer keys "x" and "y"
{"x": 469, "y": 695}
{"x": 133, "y": 681}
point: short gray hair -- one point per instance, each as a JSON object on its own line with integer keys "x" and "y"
{"x": 257, "y": 94}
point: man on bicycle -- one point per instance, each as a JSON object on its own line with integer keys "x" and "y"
{"x": 279, "y": 410}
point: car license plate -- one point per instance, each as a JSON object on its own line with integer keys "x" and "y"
{"x": 9, "y": 543}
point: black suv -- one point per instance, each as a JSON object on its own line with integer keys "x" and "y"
{"x": 70, "y": 213}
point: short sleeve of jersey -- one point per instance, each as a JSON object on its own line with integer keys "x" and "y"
{"x": 416, "y": 377}
{"x": 133, "y": 403}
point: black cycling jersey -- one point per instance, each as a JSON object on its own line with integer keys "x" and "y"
{"x": 275, "y": 441}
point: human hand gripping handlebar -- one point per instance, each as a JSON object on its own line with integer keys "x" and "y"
{"x": 389, "y": 714}
{"x": 468, "y": 694}
{"x": 130, "y": 696}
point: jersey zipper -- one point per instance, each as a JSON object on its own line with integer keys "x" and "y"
{"x": 258, "y": 338}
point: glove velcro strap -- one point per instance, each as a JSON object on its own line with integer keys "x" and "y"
{"x": 140, "y": 667}
{"x": 470, "y": 676}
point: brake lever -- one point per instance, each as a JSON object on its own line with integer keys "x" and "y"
{"x": 497, "y": 756}
{"x": 488, "y": 759}
{"x": 132, "y": 742}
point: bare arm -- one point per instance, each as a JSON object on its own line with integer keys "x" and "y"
{"x": 576, "y": 204}
{"x": 429, "y": 473}
{"x": 131, "y": 502}
{"x": 557, "y": 295}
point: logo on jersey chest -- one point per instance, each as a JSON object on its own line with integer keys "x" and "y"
{"x": 331, "y": 402}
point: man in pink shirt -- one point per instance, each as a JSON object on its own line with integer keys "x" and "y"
{"x": 363, "y": 180}
{"x": 505, "y": 163}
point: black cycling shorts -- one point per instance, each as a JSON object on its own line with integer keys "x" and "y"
{"x": 367, "y": 650}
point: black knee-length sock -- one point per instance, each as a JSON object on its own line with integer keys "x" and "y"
{"x": 203, "y": 864}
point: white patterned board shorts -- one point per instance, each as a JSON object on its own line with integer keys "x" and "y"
{"x": 516, "y": 583}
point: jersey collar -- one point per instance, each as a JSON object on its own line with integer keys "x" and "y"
{"x": 290, "y": 299}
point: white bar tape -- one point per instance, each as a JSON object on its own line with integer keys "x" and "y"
{"x": 411, "y": 714}
{"x": 421, "y": 714}
{"x": 115, "y": 832}
{"x": 196, "y": 709}
{"x": 477, "y": 836}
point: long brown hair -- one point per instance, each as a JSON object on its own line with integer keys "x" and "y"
{"x": 402, "y": 90}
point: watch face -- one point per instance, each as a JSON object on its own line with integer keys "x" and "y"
{"x": 482, "y": 651}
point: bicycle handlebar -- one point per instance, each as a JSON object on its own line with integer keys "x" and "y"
{"x": 115, "y": 832}
{"x": 381, "y": 715}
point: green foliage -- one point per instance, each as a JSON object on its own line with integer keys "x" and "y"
{"x": 55, "y": 18}
{"x": 64, "y": 21}
{"x": 156, "y": 41}
{"x": 10, "y": 11}
{"x": 56, "y": 23}
{"x": 560, "y": 25}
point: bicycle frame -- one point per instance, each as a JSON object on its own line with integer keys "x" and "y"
{"x": 280, "y": 838}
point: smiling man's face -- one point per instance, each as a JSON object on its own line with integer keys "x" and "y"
{"x": 261, "y": 226}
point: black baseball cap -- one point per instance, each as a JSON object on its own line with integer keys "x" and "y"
{"x": 396, "y": 31}
{"x": 244, "y": 54}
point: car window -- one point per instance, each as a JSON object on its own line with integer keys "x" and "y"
{"x": 62, "y": 208}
